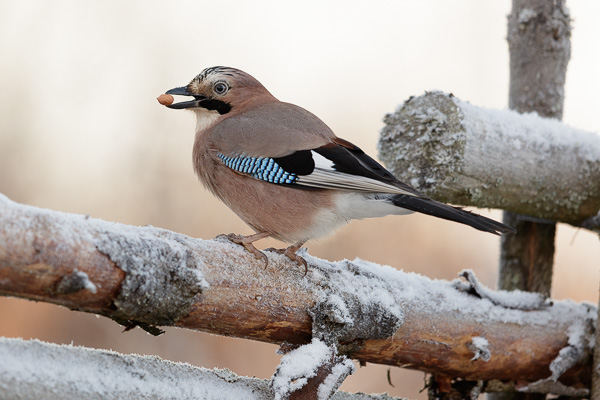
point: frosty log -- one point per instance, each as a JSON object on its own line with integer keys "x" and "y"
{"x": 462, "y": 154}
{"x": 29, "y": 371}
{"x": 149, "y": 277}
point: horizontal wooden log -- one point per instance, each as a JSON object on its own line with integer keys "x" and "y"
{"x": 462, "y": 154}
{"x": 38, "y": 370}
{"x": 153, "y": 277}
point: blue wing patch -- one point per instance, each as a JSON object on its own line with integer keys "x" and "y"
{"x": 263, "y": 168}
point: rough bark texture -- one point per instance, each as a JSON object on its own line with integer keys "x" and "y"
{"x": 373, "y": 313}
{"x": 539, "y": 39}
{"x": 527, "y": 257}
{"x": 463, "y": 154}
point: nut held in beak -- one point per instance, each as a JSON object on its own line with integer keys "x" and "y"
{"x": 165, "y": 99}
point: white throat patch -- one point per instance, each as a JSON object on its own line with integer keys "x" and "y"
{"x": 205, "y": 118}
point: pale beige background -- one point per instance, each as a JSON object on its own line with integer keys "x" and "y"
{"x": 81, "y": 131}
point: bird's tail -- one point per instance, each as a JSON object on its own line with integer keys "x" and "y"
{"x": 445, "y": 211}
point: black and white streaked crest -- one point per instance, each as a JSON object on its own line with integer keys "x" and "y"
{"x": 232, "y": 76}
{"x": 227, "y": 71}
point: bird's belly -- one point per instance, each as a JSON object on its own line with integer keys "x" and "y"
{"x": 286, "y": 213}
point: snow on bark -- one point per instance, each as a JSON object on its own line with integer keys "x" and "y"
{"x": 297, "y": 366}
{"x": 479, "y": 346}
{"x": 31, "y": 369}
{"x": 37, "y": 370}
{"x": 463, "y": 154}
{"x": 315, "y": 360}
{"x": 516, "y": 299}
{"x": 370, "y": 312}
{"x": 74, "y": 282}
{"x": 336, "y": 377}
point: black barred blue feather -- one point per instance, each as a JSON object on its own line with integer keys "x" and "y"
{"x": 263, "y": 168}
{"x": 329, "y": 167}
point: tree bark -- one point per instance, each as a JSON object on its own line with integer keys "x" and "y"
{"x": 463, "y": 154}
{"x": 151, "y": 277}
{"x": 539, "y": 39}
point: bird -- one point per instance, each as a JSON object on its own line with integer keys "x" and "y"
{"x": 285, "y": 173}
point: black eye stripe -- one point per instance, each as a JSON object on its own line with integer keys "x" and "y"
{"x": 220, "y": 106}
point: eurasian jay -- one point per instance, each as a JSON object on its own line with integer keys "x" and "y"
{"x": 285, "y": 173}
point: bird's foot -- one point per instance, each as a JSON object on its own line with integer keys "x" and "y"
{"x": 290, "y": 252}
{"x": 247, "y": 242}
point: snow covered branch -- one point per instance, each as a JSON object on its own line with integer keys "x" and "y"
{"x": 28, "y": 371}
{"x": 463, "y": 154}
{"x": 151, "y": 277}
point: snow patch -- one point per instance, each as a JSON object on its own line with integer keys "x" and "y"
{"x": 526, "y": 15}
{"x": 579, "y": 344}
{"x": 85, "y": 279}
{"x": 37, "y": 370}
{"x": 391, "y": 289}
{"x": 542, "y": 135}
{"x": 479, "y": 346}
{"x": 516, "y": 299}
{"x": 339, "y": 372}
{"x": 297, "y": 366}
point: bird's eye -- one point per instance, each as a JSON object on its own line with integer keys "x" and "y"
{"x": 220, "y": 88}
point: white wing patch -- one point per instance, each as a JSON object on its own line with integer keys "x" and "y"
{"x": 322, "y": 162}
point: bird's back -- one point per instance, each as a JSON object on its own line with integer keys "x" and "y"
{"x": 273, "y": 129}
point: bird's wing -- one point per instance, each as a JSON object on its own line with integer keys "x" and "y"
{"x": 270, "y": 130}
{"x": 336, "y": 165}
{"x": 284, "y": 144}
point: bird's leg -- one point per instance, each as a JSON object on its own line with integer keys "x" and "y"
{"x": 290, "y": 252}
{"x": 247, "y": 241}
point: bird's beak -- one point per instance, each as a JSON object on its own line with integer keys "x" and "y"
{"x": 183, "y": 91}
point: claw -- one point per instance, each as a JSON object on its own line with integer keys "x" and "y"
{"x": 247, "y": 241}
{"x": 299, "y": 260}
{"x": 290, "y": 252}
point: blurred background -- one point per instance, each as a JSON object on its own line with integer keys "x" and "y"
{"x": 81, "y": 131}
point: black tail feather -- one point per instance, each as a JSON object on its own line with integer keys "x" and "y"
{"x": 445, "y": 211}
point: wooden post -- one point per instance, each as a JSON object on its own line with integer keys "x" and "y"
{"x": 539, "y": 35}
{"x": 539, "y": 43}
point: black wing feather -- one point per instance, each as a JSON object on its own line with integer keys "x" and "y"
{"x": 299, "y": 163}
{"x": 445, "y": 211}
{"x": 354, "y": 161}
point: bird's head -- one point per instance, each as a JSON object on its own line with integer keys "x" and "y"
{"x": 219, "y": 90}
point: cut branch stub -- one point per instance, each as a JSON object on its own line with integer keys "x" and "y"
{"x": 462, "y": 154}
